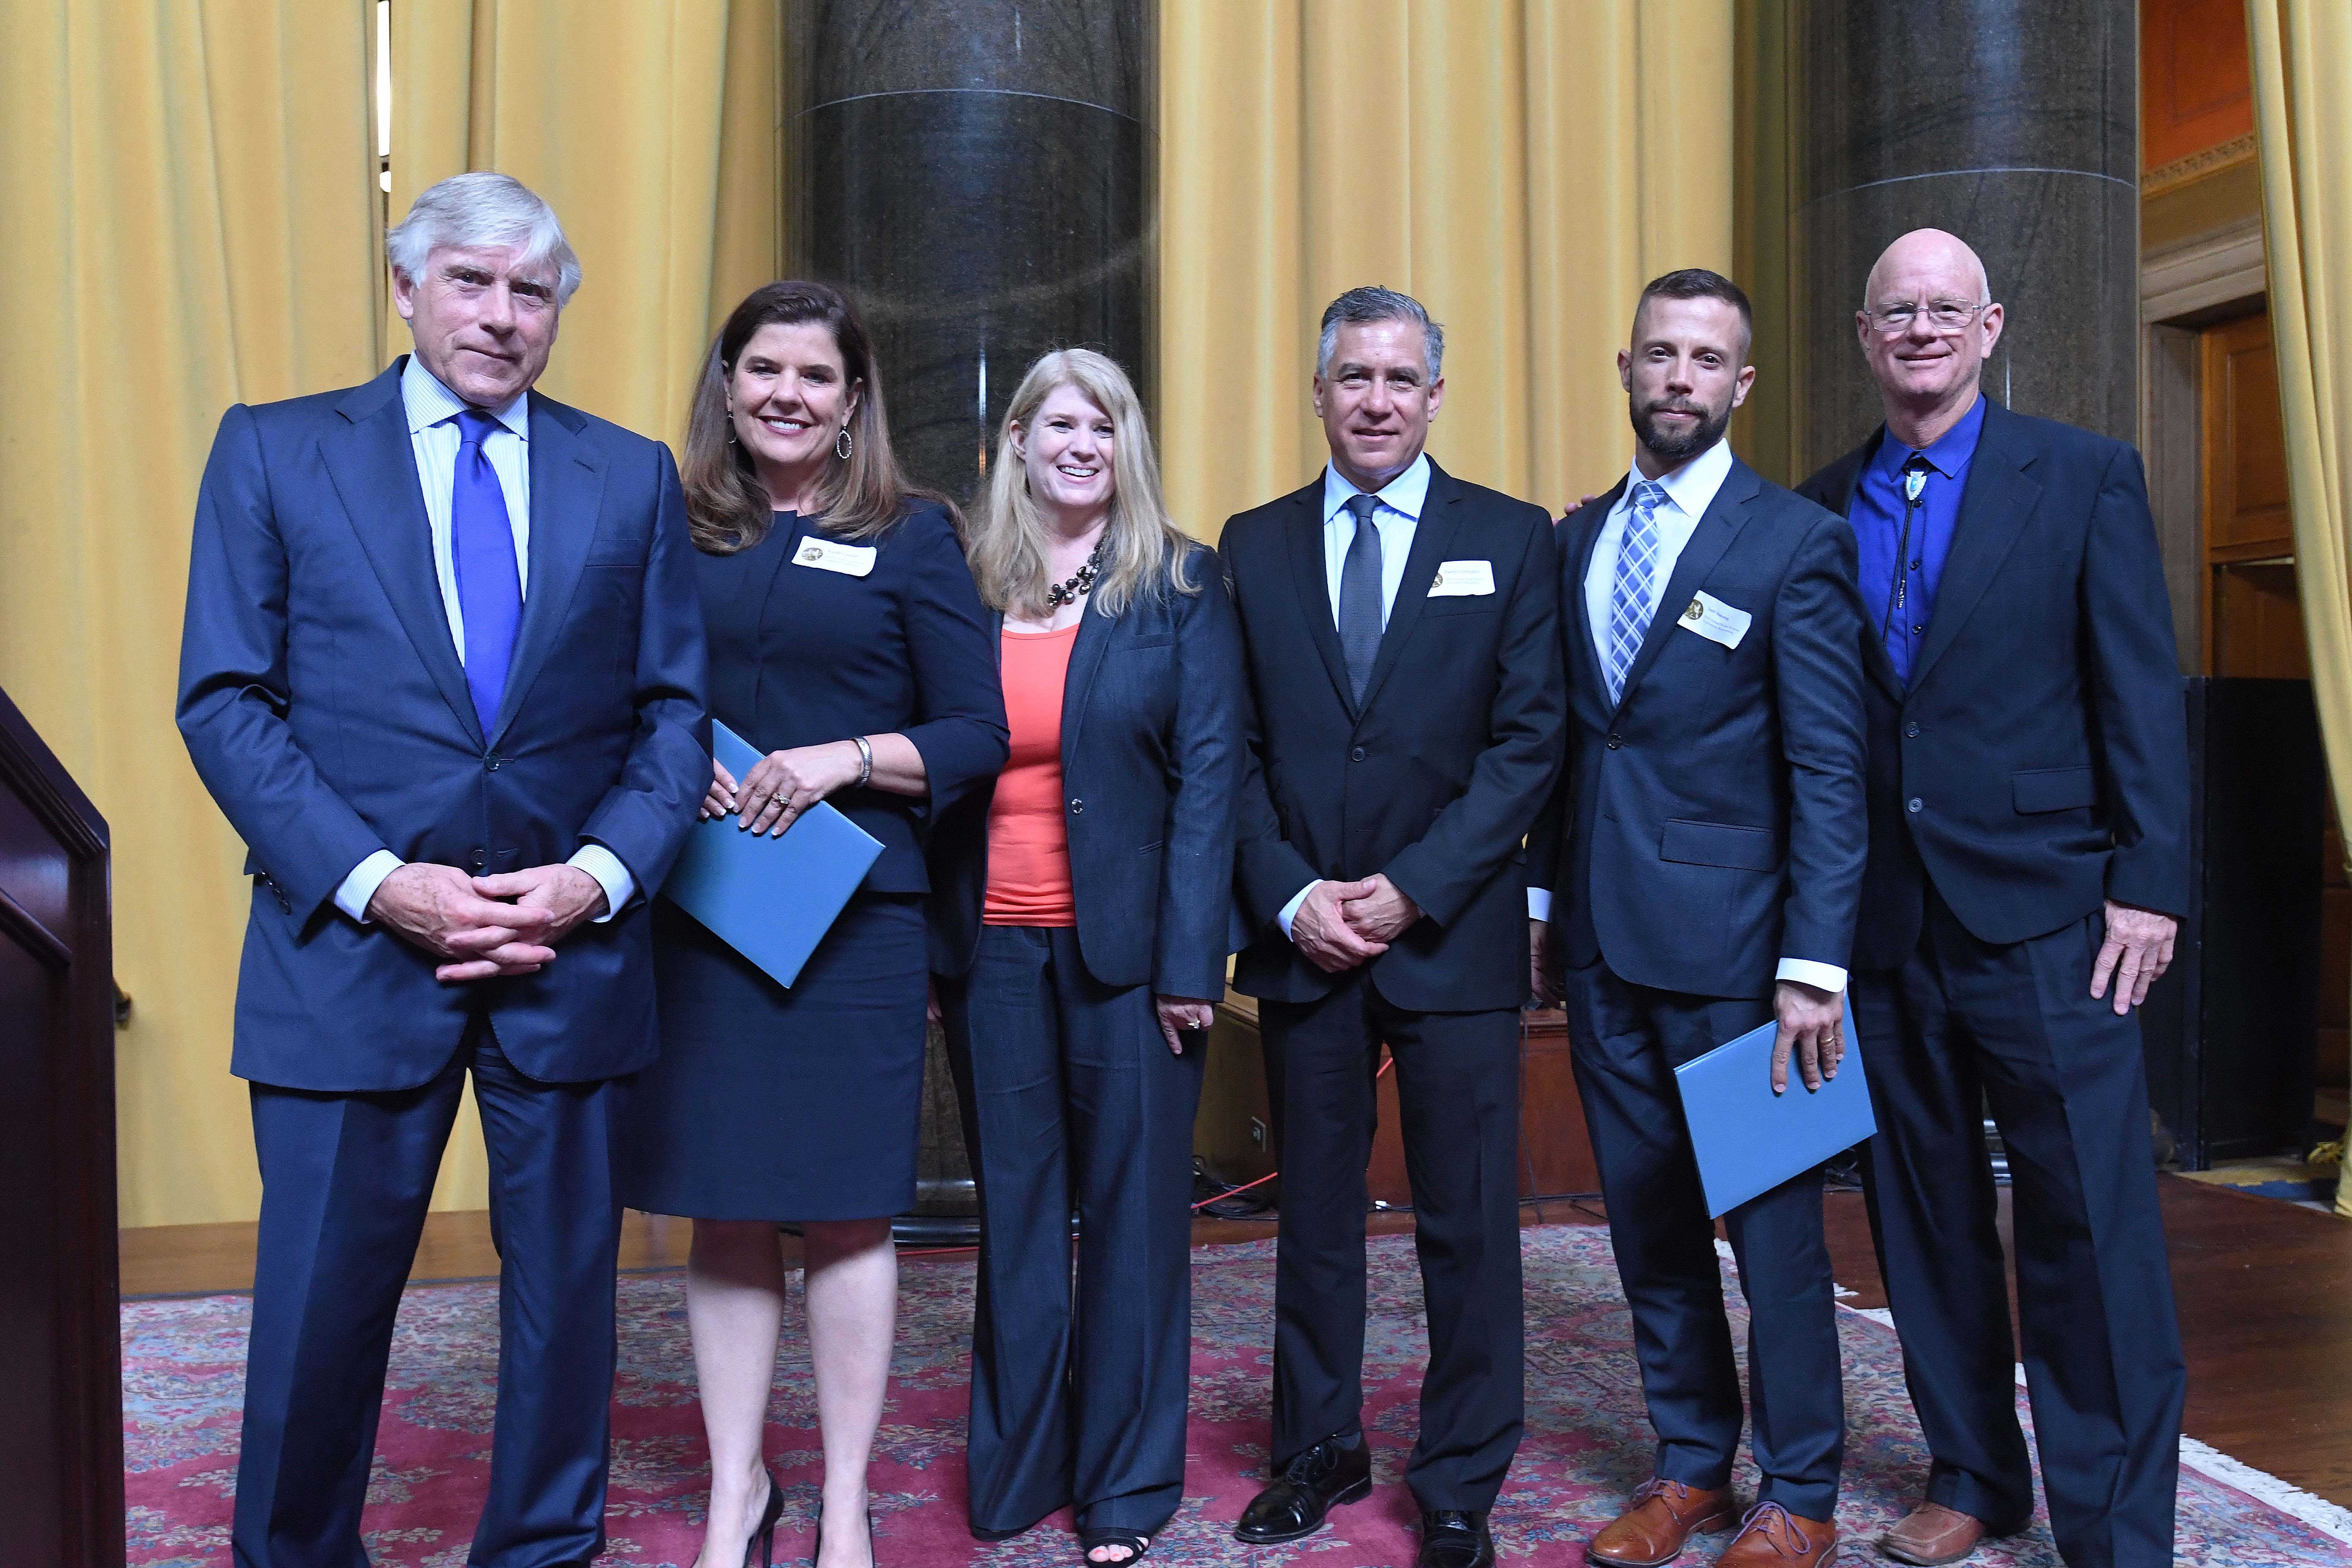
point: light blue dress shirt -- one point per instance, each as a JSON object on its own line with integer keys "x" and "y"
{"x": 1398, "y": 517}
{"x": 432, "y": 409}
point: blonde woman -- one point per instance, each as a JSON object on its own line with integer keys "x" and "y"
{"x": 1078, "y": 931}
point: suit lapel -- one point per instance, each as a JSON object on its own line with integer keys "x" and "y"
{"x": 566, "y": 484}
{"x": 1086, "y": 657}
{"x": 1994, "y": 509}
{"x": 1303, "y": 535}
{"x": 1432, "y": 538}
{"x": 1725, "y": 516}
{"x": 372, "y": 466}
{"x": 1584, "y": 658}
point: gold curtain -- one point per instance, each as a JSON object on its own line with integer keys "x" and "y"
{"x": 2302, "y": 53}
{"x": 653, "y": 129}
{"x": 187, "y": 211}
{"x": 1522, "y": 167}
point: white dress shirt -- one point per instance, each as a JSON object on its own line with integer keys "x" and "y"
{"x": 1690, "y": 490}
{"x": 433, "y": 435}
{"x": 1398, "y": 517}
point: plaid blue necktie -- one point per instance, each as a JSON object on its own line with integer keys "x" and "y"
{"x": 1630, "y": 602}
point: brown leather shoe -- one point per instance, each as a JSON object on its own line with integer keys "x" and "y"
{"x": 1772, "y": 1537}
{"x": 1932, "y": 1534}
{"x": 1664, "y": 1515}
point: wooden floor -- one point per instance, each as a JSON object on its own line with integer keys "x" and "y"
{"x": 2265, "y": 1290}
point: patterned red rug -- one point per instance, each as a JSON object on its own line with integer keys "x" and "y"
{"x": 1587, "y": 1442}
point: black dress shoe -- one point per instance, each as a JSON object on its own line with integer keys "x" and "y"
{"x": 1312, "y": 1485}
{"x": 1451, "y": 1538}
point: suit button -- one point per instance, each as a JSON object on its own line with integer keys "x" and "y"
{"x": 1911, "y": 730}
{"x": 1357, "y": 755}
{"x": 480, "y": 857}
{"x": 1614, "y": 742}
{"x": 490, "y": 765}
{"x": 1914, "y": 803}
{"x": 1076, "y": 807}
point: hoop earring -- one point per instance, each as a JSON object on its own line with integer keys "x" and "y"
{"x": 843, "y": 445}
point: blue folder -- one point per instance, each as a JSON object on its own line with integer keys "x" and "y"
{"x": 770, "y": 899}
{"x": 1749, "y": 1140}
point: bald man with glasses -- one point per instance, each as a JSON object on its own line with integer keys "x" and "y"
{"x": 2028, "y": 820}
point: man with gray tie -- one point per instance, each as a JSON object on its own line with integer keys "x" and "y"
{"x": 1405, "y": 726}
{"x": 443, "y": 672}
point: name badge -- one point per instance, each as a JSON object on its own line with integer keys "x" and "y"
{"x": 1715, "y": 621}
{"x": 849, "y": 560}
{"x": 1462, "y": 579}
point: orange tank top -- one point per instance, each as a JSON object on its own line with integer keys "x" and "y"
{"x": 1028, "y": 839}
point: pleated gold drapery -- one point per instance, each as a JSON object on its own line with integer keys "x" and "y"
{"x": 1522, "y": 167}
{"x": 187, "y": 217}
{"x": 2302, "y": 57}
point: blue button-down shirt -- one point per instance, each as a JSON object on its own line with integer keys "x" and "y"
{"x": 1901, "y": 621}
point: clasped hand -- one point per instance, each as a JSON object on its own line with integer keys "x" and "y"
{"x": 1343, "y": 924}
{"x": 783, "y": 785}
{"x": 485, "y": 926}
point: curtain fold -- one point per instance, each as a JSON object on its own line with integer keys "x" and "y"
{"x": 187, "y": 207}
{"x": 2302, "y": 57}
{"x": 1522, "y": 167}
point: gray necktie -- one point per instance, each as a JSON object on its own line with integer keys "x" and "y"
{"x": 1359, "y": 596}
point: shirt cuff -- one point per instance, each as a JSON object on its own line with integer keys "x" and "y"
{"x": 360, "y": 887}
{"x": 1539, "y": 903}
{"x": 1828, "y": 977}
{"x": 1290, "y": 910}
{"x": 611, "y": 875}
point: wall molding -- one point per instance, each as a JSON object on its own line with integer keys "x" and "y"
{"x": 2197, "y": 165}
{"x": 2219, "y": 268}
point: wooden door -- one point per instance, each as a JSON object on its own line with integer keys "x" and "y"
{"x": 2254, "y": 611}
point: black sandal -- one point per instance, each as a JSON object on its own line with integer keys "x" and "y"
{"x": 1136, "y": 1543}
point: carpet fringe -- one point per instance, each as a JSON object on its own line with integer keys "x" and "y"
{"x": 2326, "y": 1517}
{"x": 2329, "y": 1519}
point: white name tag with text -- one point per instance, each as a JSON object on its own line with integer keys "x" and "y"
{"x": 1462, "y": 579}
{"x": 1715, "y": 621}
{"x": 849, "y": 560}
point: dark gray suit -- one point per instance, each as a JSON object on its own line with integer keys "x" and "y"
{"x": 1070, "y": 1093}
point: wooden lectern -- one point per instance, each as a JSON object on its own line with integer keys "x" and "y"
{"x": 61, "y": 1372}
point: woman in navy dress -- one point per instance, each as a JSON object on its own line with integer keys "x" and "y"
{"x": 847, "y": 642}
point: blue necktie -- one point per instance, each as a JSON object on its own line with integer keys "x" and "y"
{"x": 1630, "y": 603}
{"x": 482, "y": 552}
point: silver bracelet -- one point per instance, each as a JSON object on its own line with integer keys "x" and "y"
{"x": 865, "y": 761}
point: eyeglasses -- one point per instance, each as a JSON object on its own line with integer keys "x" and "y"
{"x": 1946, "y": 316}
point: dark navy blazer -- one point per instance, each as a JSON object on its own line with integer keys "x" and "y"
{"x": 801, "y": 656}
{"x": 1711, "y": 823}
{"x": 1151, "y": 771}
{"x": 2038, "y": 762}
{"x": 324, "y": 706}
{"x": 1434, "y": 778}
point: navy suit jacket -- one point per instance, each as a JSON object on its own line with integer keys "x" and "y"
{"x": 2038, "y": 763}
{"x": 1711, "y": 823}
{"x": 324, "y": 706}
{"x": 1151, "y": 771}
{"x": 1434, "y": 778}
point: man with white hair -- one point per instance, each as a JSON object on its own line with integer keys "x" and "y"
{"x": 2029, "y": 807}
{"x": 443, "y": 671}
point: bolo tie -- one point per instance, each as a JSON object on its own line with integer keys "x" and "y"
{"x": 1915, "y": 485}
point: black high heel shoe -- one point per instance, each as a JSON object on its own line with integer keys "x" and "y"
{"x": 764, "y": 1532}
{"x": 817, "y": 1543}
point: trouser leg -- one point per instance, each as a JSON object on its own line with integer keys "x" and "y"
{"x": 345, "y": 1180}
{"x": 1795, "y": 1386}
{"x": 1320, "y": 1058}
{"x": 2102, "y": 1349}
{"x": 1458, "y": 1099}
{"x": 1131, "y": 1106}
{"x": 1932, "y": 1207}
{"x": 556, "y": 1218}
{"x": 1005, "y": 1042}
{"x": 1658, "y": 1226}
